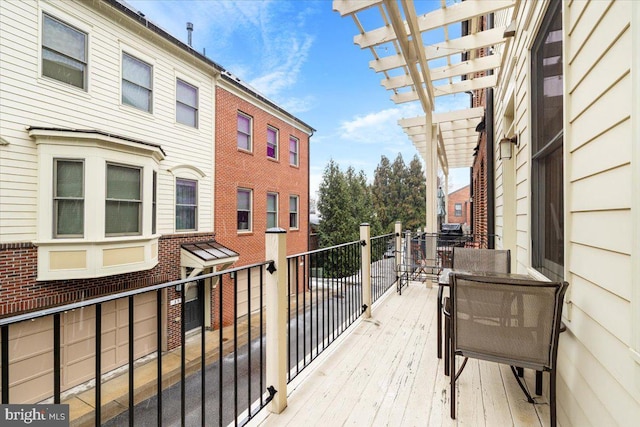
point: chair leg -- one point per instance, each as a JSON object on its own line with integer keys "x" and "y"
{"x": 552, "y": 397}
{"x": 439, "y": 322}
{"x": 447, "y": 345}
{"x": 539, "y": 383}
{"x": 452, "y": 378}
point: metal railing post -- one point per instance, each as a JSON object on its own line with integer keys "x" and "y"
{"x": 276, "y": 307}
{"x": 365, "y": 238}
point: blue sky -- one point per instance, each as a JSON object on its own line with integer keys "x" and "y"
{"x": 301, "y": 55}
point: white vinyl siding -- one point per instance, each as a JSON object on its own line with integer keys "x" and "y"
{"x": 594, "y": 355}
{"x": 32, "y": 100}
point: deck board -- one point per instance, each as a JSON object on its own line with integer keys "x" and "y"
{"x": 384, "y": 372}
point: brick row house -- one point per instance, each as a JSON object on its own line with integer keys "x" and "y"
{"x": 120, "y": 151}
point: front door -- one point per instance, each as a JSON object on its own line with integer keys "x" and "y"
{"x": 194, "y": 304}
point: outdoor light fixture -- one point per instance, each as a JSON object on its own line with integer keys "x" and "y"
{"x": 506, "y": 147}
{"x": 510, "y": 31}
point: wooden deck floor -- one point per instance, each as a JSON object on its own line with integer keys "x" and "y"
{"x": 385, "y": 372}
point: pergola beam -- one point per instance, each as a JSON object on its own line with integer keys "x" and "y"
{"x": 432, "y": 20}
{"x": 345, "y": 7}
{"x": 440, "y": 50}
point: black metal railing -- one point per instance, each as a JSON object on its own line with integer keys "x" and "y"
{"x": 383, "y": 273}
{"x": 325, "y": 298}
{"x": 220, "y": 378}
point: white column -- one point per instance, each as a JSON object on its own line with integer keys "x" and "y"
{"x": 431, "y": 166}
{"x": 276, "y": 316}
{"x": 365, "y": 235}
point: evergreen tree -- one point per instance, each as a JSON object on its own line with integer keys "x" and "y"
{"x": 415, "y": 200}
{"x": 381, "y": 196}
{"x": 333, "y": 203}
{"x": 398, "y": 191}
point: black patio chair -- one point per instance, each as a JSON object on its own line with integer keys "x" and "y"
{"x": 516, "y": 322}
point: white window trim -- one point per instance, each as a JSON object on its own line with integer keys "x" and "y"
{"x": 175, "y": 206}
{"x": 78, "y": 24}
{"x": 276, "y": 211}
{"x": 277, "y": 153}
{"x": 297, "y": 163}
{"x": 250, "y": 229}
{"x": 634, "y": 349}
{"x": 96, "y": 254}
{"x": 297, "y": 227}
{"x": 131, "y": 51}
{"x": 197, "y": 88}
{"x": 250, "y": 149}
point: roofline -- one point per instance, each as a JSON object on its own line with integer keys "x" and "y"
{"x": 238, "y": 83}
{"x": 97, "y": 132}
{"x": 223, "y": 72}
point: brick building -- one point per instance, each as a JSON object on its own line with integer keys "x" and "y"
{"x": 459, "y": 207}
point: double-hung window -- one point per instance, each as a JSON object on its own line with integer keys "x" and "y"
{"x": 293, "y": 211}
{"x": 272, "y": 143}
{"x": 244, "y": 132}
{"x": 123, "y": 207}
{"x": 293, "y": 151}
{"x": 272, "y": 210}
{"x": 186, "y": 204}
{"x": 186, "y": 104}
{"x": 547, "y": 205}
{"x": 68, "y": 198}
{"x": 457, "y": 209}
{"x": 64, "y": 52}
{"x": 244, "y": 209}
{"x": 137, "y": 78}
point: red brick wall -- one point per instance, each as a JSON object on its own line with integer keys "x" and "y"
{"x": 459, "y": 196}
{"x": 20, "y": 292}
{"x": 480, "y": 201}
{"x": 240, "y": 169}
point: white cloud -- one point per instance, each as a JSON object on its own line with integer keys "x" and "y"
{"x": 378, "y": 127}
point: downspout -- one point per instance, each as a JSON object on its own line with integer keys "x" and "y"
{"x": 491, "y": 205}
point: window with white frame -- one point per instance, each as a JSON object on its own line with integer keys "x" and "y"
{"x": 123, "y": 207}
{"x": 154, "y": 203}
{"x": 272, "y": 143}
{"x": 137, "y": 79}
{"x": 186, "y": 103}
{"x": 294, "y": 211}
{"x": 186, "y": 204}
{"x": 293, "y": 151}
{"x": 68, "y": 198}
{"x": 244, "y": 132}
{"x": 547, "y": 205}
{"x": 64, "y": 52}
{"x": 457, "y": 209}
{"x": 244, "y": 209}
{"x": 272, "y": 210}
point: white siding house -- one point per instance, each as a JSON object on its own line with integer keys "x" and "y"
{"x": 599, "y": 368}
{"x": 85, "y": 88}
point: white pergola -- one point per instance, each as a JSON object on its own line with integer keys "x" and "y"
{"x": 444, "y": 139}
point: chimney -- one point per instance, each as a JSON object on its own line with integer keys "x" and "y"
{"x": 189, "y": 30}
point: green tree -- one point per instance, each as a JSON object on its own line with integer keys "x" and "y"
{"x": 333, "y": 204}
{"x": 381, "y": 196}
{"x": 398, "y": 190}
{"x": 415, "y": 199}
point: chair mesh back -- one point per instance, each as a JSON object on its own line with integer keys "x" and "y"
{"x": 506, "y": 320}
{"x": 481, "y": 260}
